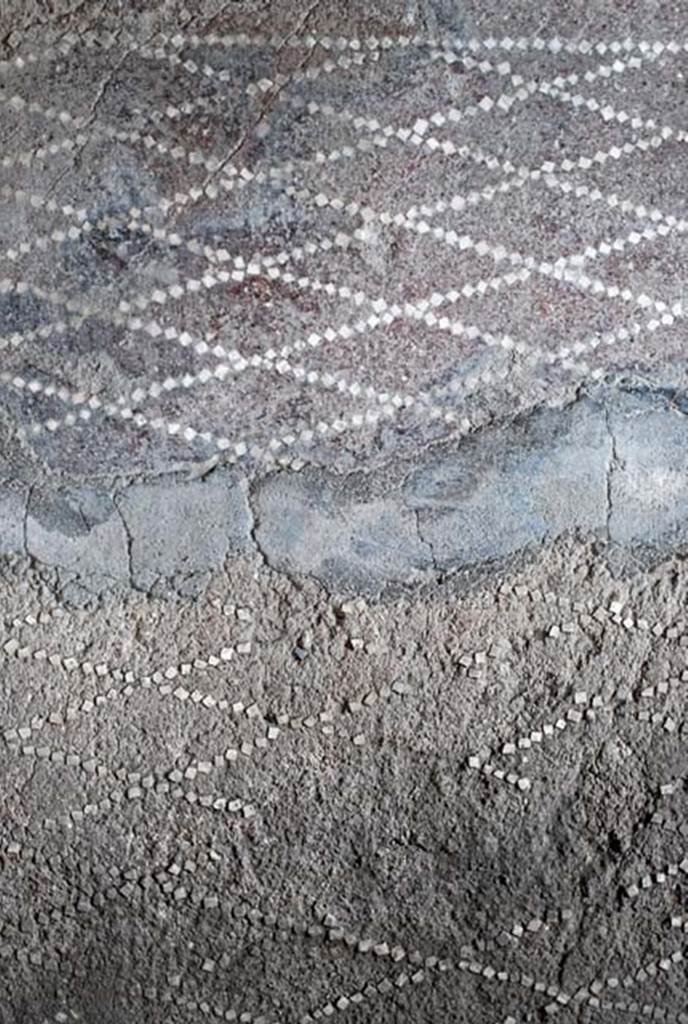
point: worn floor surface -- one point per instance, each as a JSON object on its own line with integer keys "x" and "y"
{"x": 343, "y": 512}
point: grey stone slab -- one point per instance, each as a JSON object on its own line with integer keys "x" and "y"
{"x": 12, "y": 515}
{"x": 305, "y": 525}
{"x": 507, "y": 488}
{"x": 649, "y": 479}
{"x": 183, "y": 530}
{"x": 514, "y": 486}
{"x": 612, "y": 466}
{"x": 80, "y": 531}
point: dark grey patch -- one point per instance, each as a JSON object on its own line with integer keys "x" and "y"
{"x": 514, "y": 486}
{"x": 444, "y": 16}
{"x": 20, "y": 313}
{"x": 304, "y": 526}
{"x": 79, "y": 531}
{"x": 106, "y": 251}
{"x": 267, "y": 207}
{"x": 510, "y": 456}
{"x": 72, "y": 511}
{"x": 122, "y": 182}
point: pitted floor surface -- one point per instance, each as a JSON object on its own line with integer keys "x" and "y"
{"x": 267, "y": 805}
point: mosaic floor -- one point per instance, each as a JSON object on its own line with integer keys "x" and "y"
{"x": 343, "y": 513}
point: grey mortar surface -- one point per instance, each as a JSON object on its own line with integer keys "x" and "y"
{"x": 343, "y": 610}
{"x": 613, "y": 465}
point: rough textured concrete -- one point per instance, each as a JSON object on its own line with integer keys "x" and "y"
{"x": 343, "y": 512}
{"x": 426, "y": 789}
